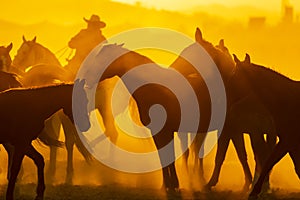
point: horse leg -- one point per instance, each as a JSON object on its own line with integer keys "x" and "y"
{"x": 222, "y": 147}
{"x": 10, "y": 151}
{"x": 198, "y": 162}
{"x": 167, "y": 158}
{"x": 70, "y": 170}
{"x": 239, "y": 144}
{"x": 17, "y": 158}
{"x": 69, "y": 129}
{"x": 279, "y": 151}
{"x": 294, "y": 154}
{"x": 261, "y": 153}
{"x": 183, "y": 137}
{"x": 110, "y": 129}
{"x": 52, "y": 164}
{"x": 39, "y": 162}
{"x": 52, "y": 128}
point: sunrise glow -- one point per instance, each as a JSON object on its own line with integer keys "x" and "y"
{"x": 267, "y": 30}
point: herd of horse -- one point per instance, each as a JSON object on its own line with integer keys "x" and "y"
{"x": 259, "y": 102}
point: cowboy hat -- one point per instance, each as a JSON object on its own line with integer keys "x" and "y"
{"x": 95, "y": 19}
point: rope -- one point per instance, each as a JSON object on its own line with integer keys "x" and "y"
{"x": 65, "y": 47}
{"x": 70, "y": 54}
{"x": 63, "y": 50}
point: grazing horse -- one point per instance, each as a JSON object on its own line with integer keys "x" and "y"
{"x": 281, "y": 96}
{"x": 247, "y": 115}
{"x": 23, "y": 112}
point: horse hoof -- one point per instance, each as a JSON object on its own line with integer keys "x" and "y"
{"x": 207, "y": 188}
{"x": 245, "y": 188}
{"x": 39, "y": 198}
{"x": 253, "y": 196}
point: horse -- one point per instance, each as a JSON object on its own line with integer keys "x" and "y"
{"x": 5, "y": 60}
{"x": 33, "y": 77}
{"x": 7, "y": 81}
{"x": 28, "y": 119}
{"x": 42, "y": 68}
{"x": 237, "y": 118}
{"x": 280, "y": 95}
{"x": 152, "y": 94}
{"x": 248, "y": 115}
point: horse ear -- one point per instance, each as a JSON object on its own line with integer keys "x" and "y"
{"x": 34, "y": 39}
{"x": 247, "y": 59}
{"x": 76, "y": 81}
{"x": 9, "y": 47}
{"x": 236, "y": 60}
{"x": 221, "y": 43}
{"x": 24, "y": 40}
{"x": 82, "y": 82}
{"x": 198, "y": 35}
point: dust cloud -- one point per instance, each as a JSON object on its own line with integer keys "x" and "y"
{"x": 276, "y": 45}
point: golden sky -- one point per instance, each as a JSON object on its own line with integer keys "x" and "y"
{"x": 32, "y": 11}
{"x": 181, "y": 4}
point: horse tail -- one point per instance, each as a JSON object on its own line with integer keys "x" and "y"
{"x": 70, "y": 128}
{"x": 82, "y": 149}
{"x": 49, "y": 141}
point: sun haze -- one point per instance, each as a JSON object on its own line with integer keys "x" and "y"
{"x": 260, "y": 28}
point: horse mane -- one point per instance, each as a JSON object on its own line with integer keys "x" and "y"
{"x": 124, "y": 50}
{"x": 45, "y": 49}
{"x": 276, "y": 74}
{"x": 40, "y": 87}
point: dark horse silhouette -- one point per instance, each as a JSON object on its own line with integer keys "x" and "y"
{"x": 152, "y": 94}
{"x": 247, "y": 115}
{"x": 38, "y": 66}
{"x": 281, "y": 96}
{"x": 23, "y": 112}
{"x": 5, "y": 60}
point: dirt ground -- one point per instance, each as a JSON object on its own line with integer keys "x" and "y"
{"x": 65, "y": 192}
{"x": 97, "y": 181}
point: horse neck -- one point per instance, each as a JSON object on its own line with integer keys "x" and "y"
{"x": 272, "y": 88}
{"x": 224, "y": 63}
{"x": 5, "y": 63}
{"x": 124, "y": 64}
{"x": 52, "y": 98}
{"x": 44, "y": 55}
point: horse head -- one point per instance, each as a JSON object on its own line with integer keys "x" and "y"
{"x": 220, "y": 55}
{"x": 239, "y": 82}
{"x": 32, "y": 53}
{"x": 80, "y": 106}
{"x": 26, "y": 54}
{"x": 5, "y": 59}
{"x": 104, "y": 62}
{"x": 224, "y": 62}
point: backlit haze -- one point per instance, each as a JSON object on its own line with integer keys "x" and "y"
{"x": 272, "y": 41}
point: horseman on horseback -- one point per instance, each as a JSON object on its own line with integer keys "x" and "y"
{"x": 85, "y": 41}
